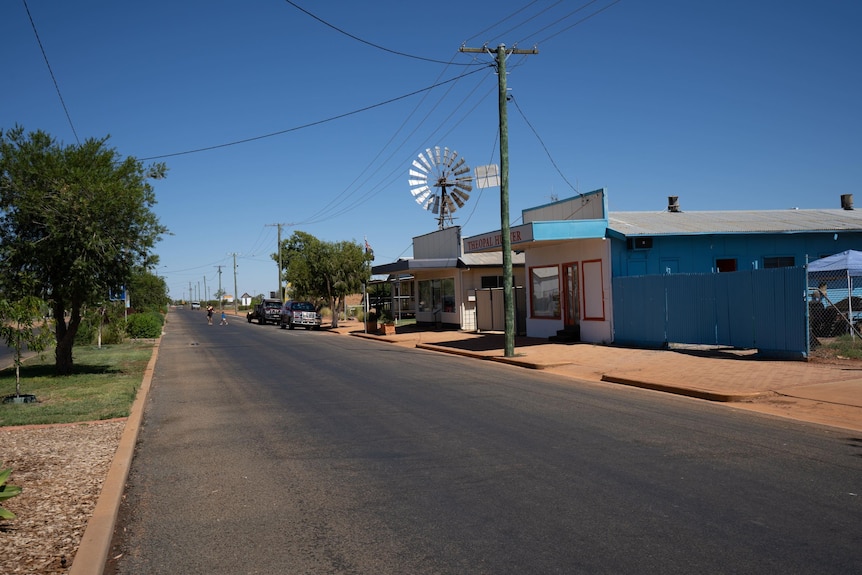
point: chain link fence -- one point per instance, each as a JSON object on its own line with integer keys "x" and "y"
{"x": 834, "y": 305}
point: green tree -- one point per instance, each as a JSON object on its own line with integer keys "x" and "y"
{"x": 147, "y": 291}
{"x": 328, "y": 271}
{"x": 21, "y": 328}
{"x": 75, "y": 221}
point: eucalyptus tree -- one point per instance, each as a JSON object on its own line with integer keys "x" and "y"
{"x": 75, "y": 222}
{"x": 320, "y": 270}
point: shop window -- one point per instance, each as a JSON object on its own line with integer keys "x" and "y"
{"x": 779, "y": 262}
{"x": 492, "y": 282}
{"x": 545, "y": 292}
{"x": 437, "y": 295}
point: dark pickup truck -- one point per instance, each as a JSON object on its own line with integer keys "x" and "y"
{"x": 267, "y": 311}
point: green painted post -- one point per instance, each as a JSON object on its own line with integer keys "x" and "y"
{"x": 508, "y": 283}
{"x": 508, "y": 302}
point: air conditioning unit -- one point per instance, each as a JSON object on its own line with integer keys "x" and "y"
{"x": 638, "y": 243}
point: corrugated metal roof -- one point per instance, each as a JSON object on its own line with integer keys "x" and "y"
{"x": 489, "y": 259}
{"x": 733, "y": 222}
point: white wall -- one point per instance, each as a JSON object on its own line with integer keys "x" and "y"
{"x": 445, "y": 243}
{"x": 596, "y": 288}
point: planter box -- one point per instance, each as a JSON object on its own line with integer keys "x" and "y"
{"x": 387, "y": 329}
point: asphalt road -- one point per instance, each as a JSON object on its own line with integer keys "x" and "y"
{"x": 296, "y": 452}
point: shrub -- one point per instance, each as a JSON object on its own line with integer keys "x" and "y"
{"x": 113, "y": 333}
{"x": 145, "y": 325}
{"x": 7, "y": 492}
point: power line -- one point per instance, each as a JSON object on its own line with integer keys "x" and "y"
{"x": 310, "y": 124}
{"x": 51, "y": 72}
{"x": 548, "y": 153}
{"x": 492, "y": 26}
{"x": 581, "y": 21}
{"x": 367, "y": 43}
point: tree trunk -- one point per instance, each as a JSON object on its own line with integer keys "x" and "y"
{"x": 65, "y": 337}
{"x": 333, "y": 308}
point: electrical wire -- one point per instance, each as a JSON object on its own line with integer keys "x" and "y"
{"x": 323, "y": 210}
{"x": 51, "y": 72}
{"x": 373, "y": 45}
{"x": 397, "y": 171}
{"x": 581, "y": 21}
{"x": 510, "y": 16}
{"x": 538, "y": 137}
{"x": 310, "y": 124}
{"x": 531, "y": 18}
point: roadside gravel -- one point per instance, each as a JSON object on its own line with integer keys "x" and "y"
{"x": 60, "y": 469}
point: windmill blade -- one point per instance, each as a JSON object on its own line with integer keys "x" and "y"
{"x": 419, "y": 172}
{"x": 433, "y": 204}
{"x": 422, "y": 194}
{"x": 448, "y": 204}
{"x": 446, "y": 159}
{"x": 417, "y": 177}
{"x": 437, "y": 161}
{"x": 464, "y": 184}
{"x": 460, "y": 197}
{"x": 456, "y": 197}
{"x": 453, "y": 159}
{"x": 425, "y": 162}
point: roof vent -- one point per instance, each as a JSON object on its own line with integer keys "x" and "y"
{"x": 673, "y": 203}
{"x": 846, "y": 201}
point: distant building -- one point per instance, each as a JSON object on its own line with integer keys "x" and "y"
{"x": 441, "y": 284}
{"x": 245, "y": 299}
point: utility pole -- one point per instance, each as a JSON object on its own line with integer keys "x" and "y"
{"x": 220, "y": 295}
{"x": 235, "y": 309}
{"x": 280, "y": 289}
{"x": 508, "y": 296}
{"x": 206, "y": 293}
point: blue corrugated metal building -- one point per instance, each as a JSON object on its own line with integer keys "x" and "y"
{"x": 577, "y": 253}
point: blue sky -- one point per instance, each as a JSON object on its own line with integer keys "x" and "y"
{"x": 732, "y": 104}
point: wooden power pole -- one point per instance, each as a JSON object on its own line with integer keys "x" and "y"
{"x": 508, "y": 294}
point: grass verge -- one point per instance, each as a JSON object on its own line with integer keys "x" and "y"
{"x": 103, "y": 385}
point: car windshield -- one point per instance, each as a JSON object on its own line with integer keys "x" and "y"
{"x": 272, "y": 305}
{"x": 303, "y": 306}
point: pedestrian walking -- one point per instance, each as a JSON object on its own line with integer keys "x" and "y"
{"x": 223, "y": 319}
{"x": 210, "y": 314}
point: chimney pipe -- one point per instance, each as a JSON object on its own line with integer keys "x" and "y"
{"x": 673, "y": 204}
{"x": 846, "y": 201}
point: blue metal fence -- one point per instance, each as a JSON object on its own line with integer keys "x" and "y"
{"x": 762, "y": 309}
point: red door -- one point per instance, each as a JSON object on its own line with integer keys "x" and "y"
{"x": 571, "y": 301}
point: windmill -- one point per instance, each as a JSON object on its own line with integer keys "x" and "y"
{"x": 447, "y": 172}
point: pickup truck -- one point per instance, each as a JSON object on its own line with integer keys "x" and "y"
{"x": 267, "y": 311}
{"x": 300, "y": 313}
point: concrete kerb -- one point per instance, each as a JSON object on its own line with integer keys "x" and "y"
{"x": 678, "y": 390}
{"x": 516, "y": 360}
{"x": 95, "y": 544}
{"x": 686, "y": 391}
